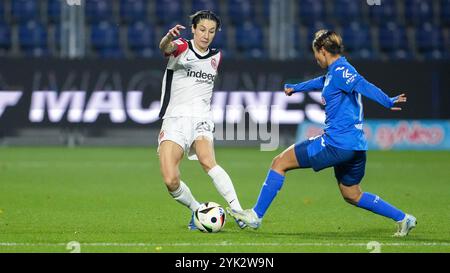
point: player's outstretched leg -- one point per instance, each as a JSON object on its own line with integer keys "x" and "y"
{"x": 375, "y": 204}
{"x": 253, "y": 217}
{"x": 271, "y": 186}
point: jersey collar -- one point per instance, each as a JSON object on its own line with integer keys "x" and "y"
{"x": 339, "y": 61}
{"x": 196, "y": 51}
{"x": 199, "y": 55}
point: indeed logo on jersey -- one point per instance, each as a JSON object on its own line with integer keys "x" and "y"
{"x": 201, "y": 76}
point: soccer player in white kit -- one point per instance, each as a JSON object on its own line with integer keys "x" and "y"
{"x": 186, "y": 110}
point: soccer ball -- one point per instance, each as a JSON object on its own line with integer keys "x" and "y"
{"x": 209, "y": 217}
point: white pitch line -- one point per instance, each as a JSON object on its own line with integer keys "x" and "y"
{"x": 222, "y": 244}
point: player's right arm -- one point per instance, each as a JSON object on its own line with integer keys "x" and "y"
{"x": 314, "y": 84}
{"x": 167, "y": 45}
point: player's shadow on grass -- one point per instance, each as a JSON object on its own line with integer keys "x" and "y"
{"x": 327, "y": 235}
{"x": 367, "y": 234}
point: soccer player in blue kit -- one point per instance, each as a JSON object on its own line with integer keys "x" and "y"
{"x": 342, "y": 145}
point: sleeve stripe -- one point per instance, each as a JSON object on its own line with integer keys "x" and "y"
{"x": 181, "y": 47}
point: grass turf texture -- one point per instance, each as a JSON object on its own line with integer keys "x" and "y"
{"x": 114, "y": 200}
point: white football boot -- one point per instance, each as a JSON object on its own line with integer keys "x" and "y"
{"x": 247, "y": 216}
{"x": 405, "y": 225}
{"x": 191, "y": 225}
{"x": 241, "y": 224}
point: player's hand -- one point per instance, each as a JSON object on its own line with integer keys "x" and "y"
{"x": 398, "y": 99}
{"x": 175, "y": 31}
{"x": 289, "y": 91}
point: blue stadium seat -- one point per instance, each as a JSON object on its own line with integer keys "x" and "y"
{"x": 24, "y": 10}
{"x": 418, "y": 12}
{"x": 316, "y": 26}
{"x": 33, "y": 38}
{"x": 445, "y": 12}
{"x": 170, "y": 11}
{"x": 362, "y": 54}
{"x": 311, "y": 11}
{"x": 55, "y": 37}
{"x": 2, "y": 11}
{"x": 310, "y": 33}
{"x": 266, "y": 9}
{"x": 5, "y": 36}
{"x": 250, "y": 39}
{"x": 111, "y": 53}
{"x": 220, "y": 40}
{"x": 387, "y": 11}
{"x": 393, "y": 40}
{"x": 357, "y": 40}
{"x": 430, "y": 40}
{"x": 54, "y": 11}
{"x": 240, "y": 11}
{"x": 212, "y": 5}
{"x": 141, "y": 39}
{"x": 133, "y": 10}
{"x": 227, "y": 53}
{"x": 185, "y": 33}
{"x": 297, "y": 48}
{"x": 436, "y": 55}
{"x": 98, "y": 11}
{"x": 401, "y": 55}
{"x": 346, "y": 11}
{"x": 105, "y": 38}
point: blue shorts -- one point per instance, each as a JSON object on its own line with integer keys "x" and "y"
{"x": 349, "y": 165}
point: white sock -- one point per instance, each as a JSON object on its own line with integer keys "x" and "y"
{"x": 184, "y": 196}
{"x": 223, "y": 183}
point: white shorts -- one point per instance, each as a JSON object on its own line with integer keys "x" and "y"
{"x": 184, "y": 131}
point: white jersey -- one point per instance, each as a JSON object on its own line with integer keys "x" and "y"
{"x": 189, "y": 81}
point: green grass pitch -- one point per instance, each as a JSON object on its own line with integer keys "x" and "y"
{"x": 114, "y": 200}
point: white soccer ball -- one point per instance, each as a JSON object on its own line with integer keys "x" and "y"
{"x": 209, "y": 217}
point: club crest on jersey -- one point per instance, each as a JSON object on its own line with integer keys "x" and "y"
{"x": 214, "y": 63}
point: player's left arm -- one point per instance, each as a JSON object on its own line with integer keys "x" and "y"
{"x": 347, "y": 79}
{"x": 374, "y": 93}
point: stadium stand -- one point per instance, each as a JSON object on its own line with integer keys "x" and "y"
{"x": 403, "y": 29}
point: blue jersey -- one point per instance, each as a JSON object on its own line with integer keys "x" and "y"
{"x": 342, "y": 88}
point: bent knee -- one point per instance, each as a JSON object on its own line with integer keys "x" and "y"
{"x": 278, "y": 163}
{"x": 207, "y": 164}
{"x": 172, "y": 181}
{"x": 352, "y": 198}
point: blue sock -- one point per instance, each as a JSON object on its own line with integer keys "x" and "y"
{"x": 274, "y": 182}
{"x": 377, "y": 205}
